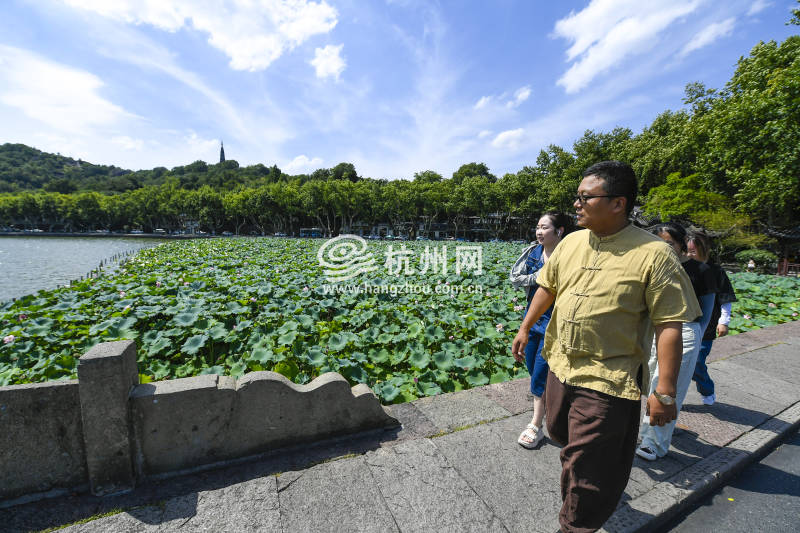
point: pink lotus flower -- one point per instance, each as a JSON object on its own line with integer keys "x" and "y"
{"x": 499, "y": 327}
{"x": 126, "y": 307}
{"x": 23, "y": 317}
{"x": 519, "y": 307}
{"x": 514, "y": 299}
{"x": 794, "y": 314}
{"x": 8, "y": 339}
{"x": 747, "y": 317}
{"x": 771, "y": 305}
{"x": 185, "y": 283}
{"x": 306, "y": 289}
{"x": 252, "y": 299}
{"x": 121, "y": 294}
{"x": 488, "y": 294}
{"x": 451, "y": 337}
{"x": 158, "y": 283}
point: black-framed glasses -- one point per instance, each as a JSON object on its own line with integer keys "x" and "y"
{"x": 583, "y": 198}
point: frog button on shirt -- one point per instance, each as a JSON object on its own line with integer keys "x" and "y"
{"x": 609, "y": 293}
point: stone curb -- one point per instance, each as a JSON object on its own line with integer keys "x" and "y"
{"x": 671, "y": 497}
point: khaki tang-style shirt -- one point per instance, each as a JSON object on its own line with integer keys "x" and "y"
{"x": 610, "y": 291}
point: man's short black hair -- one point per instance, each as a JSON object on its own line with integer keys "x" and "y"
{"x": 620, "y": 179}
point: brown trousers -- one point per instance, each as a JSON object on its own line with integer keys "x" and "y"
{"x": 598, "y": 433}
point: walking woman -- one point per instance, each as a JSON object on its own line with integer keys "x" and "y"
{"x": 656, "y": 439}
{"x": 699, "y": 248}
{"x": 552, "y": 227}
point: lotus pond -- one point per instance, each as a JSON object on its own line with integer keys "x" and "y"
{"x": 230, "y": 306}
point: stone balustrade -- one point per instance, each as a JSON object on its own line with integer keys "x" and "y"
{"x": 105, "y": 431}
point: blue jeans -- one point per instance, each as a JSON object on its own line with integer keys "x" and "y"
{"x": 658, "y": 438}
{"x": 704, "y": 383}
{"x": 537, "y": 366}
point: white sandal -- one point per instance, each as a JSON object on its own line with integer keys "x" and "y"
{"x": 534, "y": 434}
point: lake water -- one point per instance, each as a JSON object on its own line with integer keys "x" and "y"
{"x": 29, "y": 264}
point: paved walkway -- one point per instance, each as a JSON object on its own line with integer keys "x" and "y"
{"x": 455, "y": 465}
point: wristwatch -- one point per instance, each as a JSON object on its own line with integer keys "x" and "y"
{"x": 665, "y": 399}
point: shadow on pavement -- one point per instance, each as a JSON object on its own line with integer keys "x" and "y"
{"x": 726, "y": 412}
{"x": 147, "y": 501}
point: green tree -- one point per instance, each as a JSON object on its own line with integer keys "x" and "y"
{"x": 795, "y": 20}
{"x": 344, "y": 171}
{"x": 427, "y": 176}
{"x": 399, "y": 199}
{"x": 473, "y": 170}
{"x": 61, "y": 185}
{"x": 683, "y": 197}
{"x": 753, "y": 133}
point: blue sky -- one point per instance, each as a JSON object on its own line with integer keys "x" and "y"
{"x": 394, "y": 86}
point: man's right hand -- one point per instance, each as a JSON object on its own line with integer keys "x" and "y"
{"x": 518, "y": 346}
{"x": 660, "y": 414}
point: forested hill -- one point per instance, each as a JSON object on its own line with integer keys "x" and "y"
{"x": 25, "y": 168}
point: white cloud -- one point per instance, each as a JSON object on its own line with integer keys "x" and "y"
{"x": 200, "y": 147}
{"x": 607, "y": 31}
{"x": 480, "y": 104}
{"x": 708, "y": 35}
{"x": 130, "y": 45}
{"x": 327, "y": 62}
{"x": 508, "y": 139}
{"x": 484, "y": 133}
{"x": 62, "y": 97}
{"x": 520, "y": 95}
{"x": 128, "y": 143}
{"x": 252, "y": 33}
{"x": 301, "y": 164}
{"x": 757, "y": 7}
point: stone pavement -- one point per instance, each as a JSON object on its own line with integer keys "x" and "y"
{"x": 455, "y": 465}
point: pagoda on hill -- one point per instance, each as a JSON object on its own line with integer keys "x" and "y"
{"x": 221, "y": 152}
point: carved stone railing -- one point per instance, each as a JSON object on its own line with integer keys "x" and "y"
{"x": 105, "y": 431}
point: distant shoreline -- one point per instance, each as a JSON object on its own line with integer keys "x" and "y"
{"x": 106, "y": 235}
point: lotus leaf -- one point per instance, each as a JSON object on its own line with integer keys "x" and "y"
{"x": 467, "y": 363}
{"x": 157, "y": 346}
{"x": 186, "y": 319}
{"x": 476, "y": 378}
{"x": 238, "y": 369}
{"x": 289, "y": 369}
{"x": 443, "y": 360}
{"x": 194, "y": 343}
{"x": 316, "y": 357}
{"x": 287, "y": 338}
{"x": 419, "y": 359}
{"x": 337, "y": 342}
{"x": 217, "y": 332}
{"x": 378, "y": 357}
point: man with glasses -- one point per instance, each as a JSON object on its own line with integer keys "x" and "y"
{"x": 612, "y": 285}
